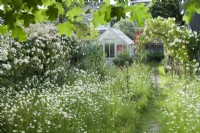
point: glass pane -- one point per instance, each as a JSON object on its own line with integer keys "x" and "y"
{"x": 107, "y": 50}
{"x": 124, "y": 48}
{"x": 119, "y": 49}
{"x": 112, "y": 50}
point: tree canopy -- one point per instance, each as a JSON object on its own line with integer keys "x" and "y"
{"x": 127, "y": 27}
{"x": 17, "y": 14}
{"x": 167, "y": 9}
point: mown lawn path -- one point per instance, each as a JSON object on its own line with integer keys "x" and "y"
{"x": 151, "y": 115}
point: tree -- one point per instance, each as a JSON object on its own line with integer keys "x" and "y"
{"x": 17, "y": 14}
{"x": 127, "y": 27}
{"x": 166, "y": 9}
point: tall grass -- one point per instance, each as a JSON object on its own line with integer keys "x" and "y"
{"x": 87, "y": 105}
{"x": 181, "y": 107}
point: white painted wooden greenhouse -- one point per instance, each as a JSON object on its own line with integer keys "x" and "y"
{"x": 115, "y": 42}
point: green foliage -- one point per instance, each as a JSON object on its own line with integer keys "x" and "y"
{"x": 61, "y": 28}
{"x": 179, "y": 43}
{"x": 166, "y": 9}
{"x": 122, "y": 58}
{"x": 126, "y": 27}
{"x": 19, "y": 33}
{"x": 191, "y": 6}
{"x": 23, "y": 13}
{"x": 93, "y": 59}
{"x": 85, "y": 33}
{"x": 139, "y": 13}
{"x": 155, "y": 56}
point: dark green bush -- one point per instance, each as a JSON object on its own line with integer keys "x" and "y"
{"x": 122, "y": 58}
{"x": 155, "y": 56}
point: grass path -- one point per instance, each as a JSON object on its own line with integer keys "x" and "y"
{"x": 151, "y": 115}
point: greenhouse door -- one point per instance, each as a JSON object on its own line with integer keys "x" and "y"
{"x": 110, "y": 50}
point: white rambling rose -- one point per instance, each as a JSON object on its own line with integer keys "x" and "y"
{"x": 1, "y": 72}
{"x": 7, "y": 66}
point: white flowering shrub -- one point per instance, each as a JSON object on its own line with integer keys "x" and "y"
{"x": 181, "y": 108}
{"x": 181, "y": 45}
{"x": 42, "y": 54}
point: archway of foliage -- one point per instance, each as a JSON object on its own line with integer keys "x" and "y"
{"x": 181, "y": 45}
{"x": 43, "y": 55}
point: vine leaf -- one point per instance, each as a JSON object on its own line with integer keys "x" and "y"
{"x": 65, "y": 28}
{"x": 19, "y": 33}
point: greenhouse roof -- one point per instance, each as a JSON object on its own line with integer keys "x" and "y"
{"x": 139, "y": 1}
{"x": 119, "y": 34}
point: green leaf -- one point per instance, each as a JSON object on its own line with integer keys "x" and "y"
{"x": 40, "y": 16}
{"x": 19, "y": 33}
{"x": 68, "y": 2}
{"x": 139, "y": 12}
{"x": 60, "y": 8}
{"x": 118, "y": 11}
{"x": 10, "y": 19}
{"x": 65, "y": 28}
{"x": 98, "y": 19}
{"x": 102, "y": 16}
{"x": 33, "y": 4}
{"x": 189, "y": 13}
{"x": 48, "y": 2}
{"x": 52, "y": 12}
{"x": 28, "y": 18}
{"x": 74, "y": 12}
{"x": 3, "y": 30}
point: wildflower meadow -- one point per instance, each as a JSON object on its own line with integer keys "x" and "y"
{"x": 60, "y": 84}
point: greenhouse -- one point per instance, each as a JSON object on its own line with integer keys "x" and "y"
{"x": 115, "y": 42}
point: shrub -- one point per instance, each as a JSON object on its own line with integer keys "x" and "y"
{"x": 155, "y": 56}
{"x": 122, "y": 58}
{"x": 93, "y": 59}
{"x": 42, "y": 53}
